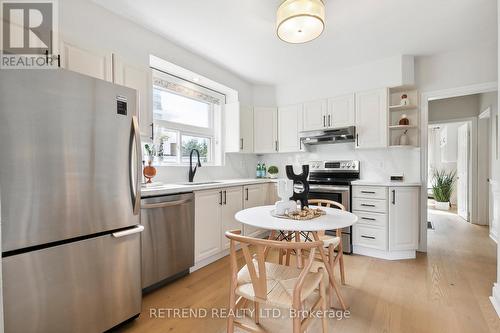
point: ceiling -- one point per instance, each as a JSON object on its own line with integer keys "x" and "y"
{"x": 240, "y": 35}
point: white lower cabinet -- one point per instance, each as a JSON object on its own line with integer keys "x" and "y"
{"x": 254, "y": 195}
{"x": 404, "y": 218}
{"x": 207, "y": 224}
{"x": 214, "y": 215}
{"x": 389, "y": 218}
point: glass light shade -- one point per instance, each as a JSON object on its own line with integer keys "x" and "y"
{"x": 300, "y": 21}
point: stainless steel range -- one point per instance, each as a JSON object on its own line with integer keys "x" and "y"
{"x": 332, "y": 180}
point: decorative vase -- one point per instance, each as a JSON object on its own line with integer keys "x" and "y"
{"x": 404, "y": 120}
{"x": 149, "y": 172}
{"x": 404, "y": 140}
{"x": 442, "y": 205}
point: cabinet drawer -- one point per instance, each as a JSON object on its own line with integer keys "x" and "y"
{"x": 369, "y": 192}
{"x": 371, "y": 219}
{"x": 373, "y": 237}
{"x": 368, "y": 205}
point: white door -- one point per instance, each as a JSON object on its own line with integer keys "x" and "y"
{"x": 265, "y": 130}
{"x": 315, "y": 115}
{"x": 246, "y": 129}
{"x": 341, "y": 111}
{"x": 463, "y": 172}
{"x": 232, "y": 202}
{"x": 404, "y": 218}
{"x": 139, "y": 79}
{"x": 254, "y": 196}
{"x": 207, "y": 227}
{"x": 371, "y": 119}
{"x": 92, "y": 63}
{"x": 289, "y": 125}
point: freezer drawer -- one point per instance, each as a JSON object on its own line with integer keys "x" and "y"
{"x": 85, "y": 286}
{"x": 168, "y": 238}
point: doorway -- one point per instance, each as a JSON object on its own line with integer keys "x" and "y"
{"x": 451, "y": 157}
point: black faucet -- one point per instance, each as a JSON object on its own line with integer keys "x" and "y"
{"x": 191, "y": 170}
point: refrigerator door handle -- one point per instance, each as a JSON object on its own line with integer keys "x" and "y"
{"x": 135, "y": 230}
{"x": 135, "y": 179}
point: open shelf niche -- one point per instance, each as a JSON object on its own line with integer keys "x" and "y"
{"x": 396, "y": 110}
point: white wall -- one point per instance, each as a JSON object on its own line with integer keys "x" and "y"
{"x": 264, "y": 96}
{"x": 454, "y": 108}
{"x": 457, "y": 69}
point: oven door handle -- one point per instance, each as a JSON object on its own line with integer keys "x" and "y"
{"x": 328, "y": 189}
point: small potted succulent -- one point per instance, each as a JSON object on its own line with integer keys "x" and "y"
{"x": 442, "y": 187}
{"x": 273, "y": 172}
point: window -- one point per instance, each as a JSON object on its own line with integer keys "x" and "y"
{"x": 186, "y": 116}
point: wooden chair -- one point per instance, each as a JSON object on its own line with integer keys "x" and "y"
{"x": 272, "y": 284}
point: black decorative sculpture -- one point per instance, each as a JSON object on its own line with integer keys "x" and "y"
{"x": 300, "y": 179}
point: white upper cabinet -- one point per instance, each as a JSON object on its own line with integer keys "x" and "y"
{"x": 92, "y": 63}
{"x": 138, "y": 78}
{"x": 289, "y": 126}
{"x": 246, "y": 129}
{"x": 315, "y": 115}
{"x": 232, "y": 127}
{"x": 341, "y": 111}
{"x": 371, "y": 119}
{"x": 404, "y": 218}
{"x": 265, "y": 120}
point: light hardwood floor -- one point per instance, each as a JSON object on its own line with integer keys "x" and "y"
{"x": 445, "y": 290}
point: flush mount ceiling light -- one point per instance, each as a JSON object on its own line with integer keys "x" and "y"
{"x": 300, "y": 21}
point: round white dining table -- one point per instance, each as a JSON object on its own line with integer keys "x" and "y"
{"x": 261, "y": 217}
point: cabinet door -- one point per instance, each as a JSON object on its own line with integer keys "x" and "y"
{"x": 289, "y": 125}
{"x": 265, "y": 130}
{"x": 371, "y": 119}
{"x": 404, "y": 218}
{"x": 315, "y": 115}
{"x": 254, "y": 196}
{"x": 92, "y": 63}
{"x": 231, "y": 204}
{"x": 139, "y": 79}
{"x": 207, "y": 227}
{"x": 246, "y": 129}
{"x": 341, "y": 111}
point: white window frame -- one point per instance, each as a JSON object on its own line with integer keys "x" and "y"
{"x": 213, "y": 132}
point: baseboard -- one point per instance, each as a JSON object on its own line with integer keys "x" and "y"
{"x": 387, "y": 255}
{"x": 495, "y": 298}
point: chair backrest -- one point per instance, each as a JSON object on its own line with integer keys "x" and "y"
{"x": 329, "y": 204}
{"x": 256, "y": 263}
{"x": 326, "y": 203}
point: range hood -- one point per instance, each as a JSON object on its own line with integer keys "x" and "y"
{"x": 336, "y": 135}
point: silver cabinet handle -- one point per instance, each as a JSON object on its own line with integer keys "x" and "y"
{"x": 393, "y": 197}
{"x": 164, "y": 204}
{"x": 225, "y": 197}
{"x": 276, "y": 143}
{"x": 369, "y": 237}
{"x": 135, "y": 182}
{"x": 246, "y": 194}
{"x": 220, "y": 198}
{"x": 128, "y": 232}
{"x": 241, "y": 143}
{"x": 368, "y": 192}
{"x": 324, "y": 121}
{"x": 329, "y": 121}
{"x": 367, "y": 205}
{"x": 368, "y": 219}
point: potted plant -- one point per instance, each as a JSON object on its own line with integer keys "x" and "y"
{"x": 443, "y": 184}
{"x": 273, "y": 172}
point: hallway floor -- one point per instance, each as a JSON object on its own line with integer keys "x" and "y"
{"x": 445, "y": 290}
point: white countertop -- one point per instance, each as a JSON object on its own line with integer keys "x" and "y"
{"x": 167, "y": 189}
{"x": 384, "y": 183}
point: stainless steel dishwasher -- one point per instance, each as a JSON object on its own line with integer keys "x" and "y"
{"x": 168, "y": 239}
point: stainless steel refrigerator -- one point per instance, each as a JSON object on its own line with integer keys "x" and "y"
{"x": 70, "y": 189}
